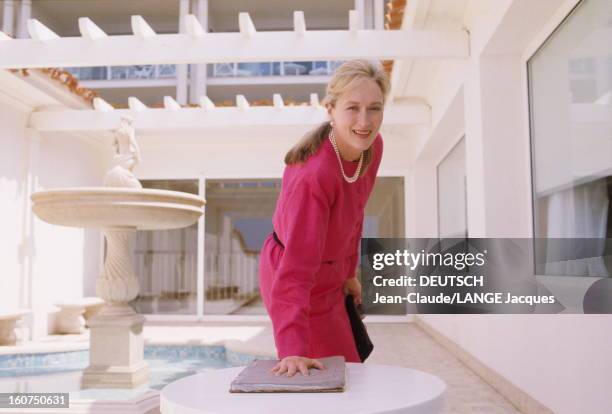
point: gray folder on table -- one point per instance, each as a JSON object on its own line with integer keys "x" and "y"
{"x": 256, "y": 377}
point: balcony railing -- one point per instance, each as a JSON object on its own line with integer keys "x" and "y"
{"x": 320, "y": 68}
{"x": 136, "y": 72}
{"x": 216, "y": 70}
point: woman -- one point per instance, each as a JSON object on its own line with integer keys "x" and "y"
{"x": 309, "y": 262}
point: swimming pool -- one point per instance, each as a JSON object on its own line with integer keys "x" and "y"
{"x": 62, "y": 371}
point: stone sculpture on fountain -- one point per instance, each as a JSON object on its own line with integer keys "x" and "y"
{"x": 127, "y": 156}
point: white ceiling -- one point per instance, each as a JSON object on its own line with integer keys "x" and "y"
{"x": 413, "y": 77}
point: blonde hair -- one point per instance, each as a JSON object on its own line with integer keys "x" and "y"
{"x": 343, "y": 79}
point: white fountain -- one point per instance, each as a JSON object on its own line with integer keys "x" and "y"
{"x": 120, "y": 208}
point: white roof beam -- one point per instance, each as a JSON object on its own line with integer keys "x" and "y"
{"x": 222, "y": 117}
{"x": 136, "y": 105}
{"x": 234, "y": 47}
{"x": 206, "y": 103}
{"x": 90, "y": 30}
{"x": 193, "y": 26}
{"x": 40, "y": 32}
{"x": 101, "y": 105}
{"x": 247, "y": 28}
{"x": 299, "y": 24}
{"x": 141, "y": 28}
{"x": 241, "y": 102}
{"x": 354, "y": 21}
{"x": 278, "y": 101}
{"x": 170, "y": 103}
{"x": 314, "y": 99}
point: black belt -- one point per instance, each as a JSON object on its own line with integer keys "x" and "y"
{"x": 278, "y": 240}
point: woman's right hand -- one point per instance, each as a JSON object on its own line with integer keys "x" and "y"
{"x": 292, "y": 364}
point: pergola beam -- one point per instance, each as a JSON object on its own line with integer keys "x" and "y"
{"x": 202, "y": 119}
{"x": 299, "y": 24}
{"x": 90, "y": 30}
{"x": 146, "y": 47}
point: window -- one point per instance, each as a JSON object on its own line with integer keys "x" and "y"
{"x": 570, "y": 87}
{"x": 384, "y": 212}
{"x": 165, "y": 262}
{"x": 237, "y": 220}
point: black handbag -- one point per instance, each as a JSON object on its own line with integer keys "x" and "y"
{"x": 360, "y": 333}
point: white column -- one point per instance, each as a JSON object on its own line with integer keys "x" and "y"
{"x": 379, "y": 14}
{"x": 8, "y": 17}
{"x": 226, "y": 248}
{"x": 197, "y": 75}
{"x": 497, "y": 155}
{"x": 360, "y": 9}
{"x": 368, "y": 15}
{"x": 25, "y": 12}
{"x": 181, "y": 70}
{"x": 38, "y": 323}
{"x": 201, "y": 268}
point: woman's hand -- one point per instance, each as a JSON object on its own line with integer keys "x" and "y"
{"x": 352, "y": 286}
{"x": 292, "y": 364}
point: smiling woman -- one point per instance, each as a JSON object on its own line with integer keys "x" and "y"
{"x": 308, "y": 263}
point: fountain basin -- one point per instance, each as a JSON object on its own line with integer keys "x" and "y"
{"x": 143, "y": 209}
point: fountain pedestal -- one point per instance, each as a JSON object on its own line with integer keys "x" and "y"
{"x": 116, "y": 354}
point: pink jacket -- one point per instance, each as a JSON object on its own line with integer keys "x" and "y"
{"x": 319, "y": 219}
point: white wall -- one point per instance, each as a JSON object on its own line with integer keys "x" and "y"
{"x": 67, "y": 259}
{"x": 452, "y": 215}
{"x": 563, "y": 361}
{"x": 13, "y": 190}
{"x": 219, "y": 154}
{"x": 61, "y": 260}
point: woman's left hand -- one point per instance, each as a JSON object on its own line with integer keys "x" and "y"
{"x": 352, "y": 286}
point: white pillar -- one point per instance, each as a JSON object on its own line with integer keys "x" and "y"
{"x": 201, "y": 266}
{"x": 368, "y": 15}
{"x": 379, "y": 14}
{"x": 30, "y": 294}
{"x": 497, "y": 157}
{"x": 181, "y": 70}
{"x": 25, "y": 12}
{"x": 8, "y": 17}
{"x": 197, "y": 73}
{"x": 360, "y": 9}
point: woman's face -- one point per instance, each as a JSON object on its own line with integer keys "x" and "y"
{"x": 356, "y": 118}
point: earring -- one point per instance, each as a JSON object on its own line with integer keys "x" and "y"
{"x": 331, "y": 123}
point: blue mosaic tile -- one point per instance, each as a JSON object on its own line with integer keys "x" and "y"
{"x": 46, "y": 362}
{"x": 163, "y": 357}
{"x": 237, "y": 359}
{"x": 177, "y": 353}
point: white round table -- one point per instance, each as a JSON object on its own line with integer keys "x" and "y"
{"x": 370, "y": 388}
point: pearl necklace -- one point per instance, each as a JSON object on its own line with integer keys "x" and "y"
{"x": 354, "y": 178}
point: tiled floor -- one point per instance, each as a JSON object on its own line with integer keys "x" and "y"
{"x": 408, "y": 345}
{"x": 403, "y": 344}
